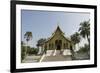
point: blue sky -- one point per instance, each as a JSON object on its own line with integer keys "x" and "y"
{"x": 43, "y": 23}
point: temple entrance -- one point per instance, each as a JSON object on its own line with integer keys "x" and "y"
{"x": 58, "y": 44}
{"x": 58, "y": 47}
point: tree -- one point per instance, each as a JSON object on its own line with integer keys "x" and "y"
{"x": 40, "y": 43}
{"x": 85, "y": 49}
{"x": 22, "y": 43}
{"x": 22, "y": 51}
{"x": 28, "y": 37}
{"x": 85, "y": 30}
{"x": 75, "y": 39}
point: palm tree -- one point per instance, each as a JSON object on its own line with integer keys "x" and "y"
{"x": 28, "y": 37}
{"x": 85, "y": 33}
{"x": 75, "y": 39}
{"x": 85, "y": 30}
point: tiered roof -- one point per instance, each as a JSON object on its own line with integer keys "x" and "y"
{"x": 58, "y": 29}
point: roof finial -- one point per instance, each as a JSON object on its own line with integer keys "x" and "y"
{"x": 57, "y": 23}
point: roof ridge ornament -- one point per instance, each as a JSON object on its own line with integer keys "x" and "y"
{"x": 57, "y": 24}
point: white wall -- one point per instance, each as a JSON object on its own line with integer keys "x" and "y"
{"x": 5, "y": 37}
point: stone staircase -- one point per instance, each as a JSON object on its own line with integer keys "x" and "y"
{"x": 56, "y": 55}
{"x": 56, "y": 58}
{"x": 53, "y": 52}
{"x": 57, "y": 52}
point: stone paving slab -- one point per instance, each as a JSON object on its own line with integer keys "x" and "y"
{"x": 31, "y": 59}
{"x": 56, "y": 58}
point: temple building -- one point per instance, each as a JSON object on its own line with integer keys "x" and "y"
{"x": 58, "y": 43}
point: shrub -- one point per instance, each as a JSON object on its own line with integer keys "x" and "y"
{"x": 35, "y": 51}
{"x": 84, "y": 49}
{"x": 31, "y": 51}
{"x": 22, "y": 52}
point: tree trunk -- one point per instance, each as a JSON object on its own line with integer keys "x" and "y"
{"x": 26, "y": 49}
{"x": 72, "y": 52}
{"x": 88, "y": 40}
{"x": 88, "y": 53}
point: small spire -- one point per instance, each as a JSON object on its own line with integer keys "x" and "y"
{"x": 57, "y": 23}
{"x": 58, "y": 29}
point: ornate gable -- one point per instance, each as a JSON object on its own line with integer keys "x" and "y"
{"x": 57, "y": 32}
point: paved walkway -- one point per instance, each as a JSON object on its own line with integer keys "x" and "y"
{"x": 31, "y": 59}
{"x": 82, "y": 56}
{"x": 56, "y": 58}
